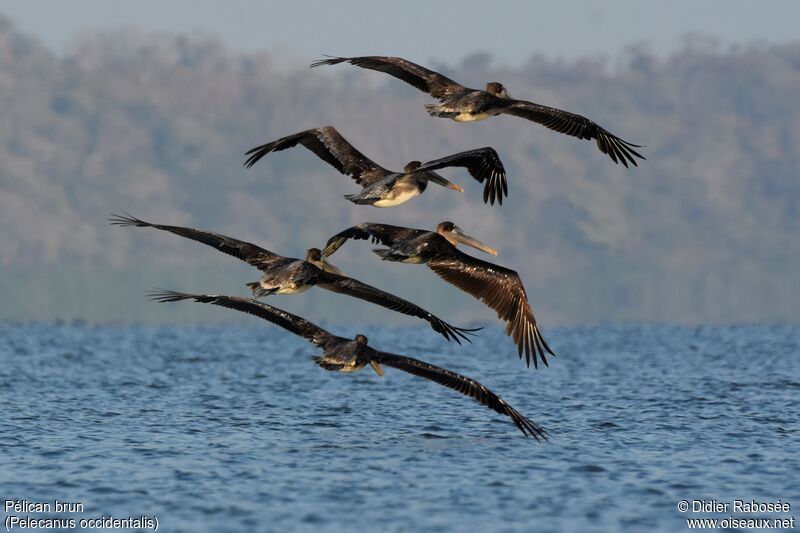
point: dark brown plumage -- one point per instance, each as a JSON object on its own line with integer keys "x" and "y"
{"x": 463, "y": 104}
{"x": 498, "y": 287}
{"x": 346, "y": 355}
{"x": 286, "y": 275}
{"x": 425, "y": 80}
{"x": 381, "y": 186}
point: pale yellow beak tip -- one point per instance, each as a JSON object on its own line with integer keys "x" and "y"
{"x": 377, "y": 368}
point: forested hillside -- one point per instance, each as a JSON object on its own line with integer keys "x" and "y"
{"x": 706, "y": 230}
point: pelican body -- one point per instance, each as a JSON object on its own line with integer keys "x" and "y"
{"x": 351, "y": 355}
{"x": 498, "y": 287}
{"x": 287, "y": 275}
{"x": 463, "y": 104}
{"x": 386, "y": 188}
{"x": 399, "y": 187}
{"x": 471, "y": 105}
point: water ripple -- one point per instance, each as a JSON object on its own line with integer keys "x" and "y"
{"x": 234, "y": 429}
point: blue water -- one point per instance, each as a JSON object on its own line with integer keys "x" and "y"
{"x": 234, "y": 429}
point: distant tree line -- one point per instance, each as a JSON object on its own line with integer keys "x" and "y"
{"x": 704, "y": 231}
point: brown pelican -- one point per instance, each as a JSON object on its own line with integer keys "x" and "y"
{"x": 496, "y": 286}
{"x": 286, "y": 275}
{"x": 345, "y": 355}
{"x": 463, "y": 104}
{"x": 385, "y": 188}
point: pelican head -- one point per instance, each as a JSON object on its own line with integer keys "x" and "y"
{"x": 497, "y": 89}
{"x": 412, "y": 166}
{"x": 456, "y": 235}
{"x": 362, "y": 340}
{"x": 313, "y": 255}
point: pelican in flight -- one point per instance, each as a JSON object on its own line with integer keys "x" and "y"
{"x": 463, "y": 104}
{"x": 286, "y": 275}
{"x": 345, "y": 355}
{"x": 498, "y": 287}
{"x": 386, "y": 188}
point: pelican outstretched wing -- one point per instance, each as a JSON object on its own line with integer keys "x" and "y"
{"x": 501, "y": 289}
{"x": 618, "y": 150}
{"x": 295, "y": 324}
{"x": 483, "y": 164}
{"x": 250, "y": 253}
{"x": 353, "y": 287}
{"x": 331, "y": 147}
{"x": 423, "y": 79}
{"x": 464, "y": 385}
{"x": 384, "y": 234}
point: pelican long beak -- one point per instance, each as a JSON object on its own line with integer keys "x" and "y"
{"x": 327, "y": 267}
{"x": 437, "y": 179}
{"x": 459, "y": 235}
{"x": 377, "y": 368}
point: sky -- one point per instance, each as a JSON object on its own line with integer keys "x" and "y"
{"x": 425, "y": 30}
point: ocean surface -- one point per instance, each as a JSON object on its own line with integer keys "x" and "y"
{"x": 234, "y": 429}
